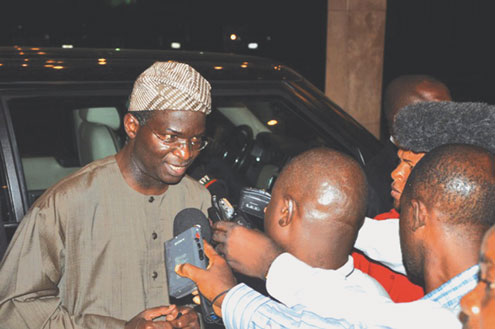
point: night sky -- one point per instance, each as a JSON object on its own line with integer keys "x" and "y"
{"x": 449, "y": 39}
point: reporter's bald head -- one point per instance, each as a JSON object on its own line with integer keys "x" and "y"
{"x": 318, "y": 205}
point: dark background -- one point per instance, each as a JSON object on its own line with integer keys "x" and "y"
{"x": 449, "y": 39}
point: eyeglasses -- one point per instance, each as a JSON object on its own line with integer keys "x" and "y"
{"x": 169, "y": 140}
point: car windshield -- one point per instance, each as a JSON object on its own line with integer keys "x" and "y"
{"x": 251, "y": 137}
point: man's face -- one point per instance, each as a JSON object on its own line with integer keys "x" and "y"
{"x": 410, "y": 243}
{"x": 478, "y": 306}
{"x": 163, "y": 162}
{"x": 408, "y": 160}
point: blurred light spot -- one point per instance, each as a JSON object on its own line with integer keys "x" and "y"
{"x": 67, "y": 46}
{"x": 26, "y": 59}
{"x": 21, "y": 53}
{"x": 253, "y": 45}
{"x": 175, "y": 45}
{"x": 50, "y": 61}
{"x": 24, "y": 65}
{"x": 117, "y": 49}
{"x": 244, "y": 66}
{"x": 233, "y": 37}
{"x": 272, "y": 122}
{"x": 58, "y": 67}
{"x": 35, "y": 49}
{"x": 48, "y": 65}
{"x": 218, "y": 67}
{"x": 41, "y": 53}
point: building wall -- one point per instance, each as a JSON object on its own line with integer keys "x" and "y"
{"x": 354, "y": 58}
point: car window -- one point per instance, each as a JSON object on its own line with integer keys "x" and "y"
{"x": 58, "y": 135}
{"x": 252, "y": 137}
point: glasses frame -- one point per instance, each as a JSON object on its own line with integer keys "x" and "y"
{"x": 180, "y": 141}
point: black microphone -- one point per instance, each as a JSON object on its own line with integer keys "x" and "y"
{"x": 184, "y": 220}
{"x": 187, "y": 218}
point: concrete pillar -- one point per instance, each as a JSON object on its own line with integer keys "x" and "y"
{"x": 354, "y": 63}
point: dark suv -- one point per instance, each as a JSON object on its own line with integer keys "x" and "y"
{"x": 62, "y": 108}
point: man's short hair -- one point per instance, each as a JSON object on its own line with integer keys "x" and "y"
{"x": 452, "y": 178}
{"x": 422, "y": 127}
{"x": 142, "y": 116}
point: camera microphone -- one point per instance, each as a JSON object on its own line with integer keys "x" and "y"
{"x": 189, "y": 217}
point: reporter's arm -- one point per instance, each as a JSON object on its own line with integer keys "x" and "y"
{"x": 380, "y": 241}
{"x": 244, "y": 308}
{"x": 247, "y": 251}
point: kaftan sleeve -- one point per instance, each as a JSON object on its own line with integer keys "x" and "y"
{"x": 30, "y": 273}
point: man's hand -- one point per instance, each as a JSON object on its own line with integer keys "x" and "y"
{"x": 216, "y": 279}
{"x": 188, "y": 318}
{"x": 144, "y": 320}
{"x": 247, "y": 251}
{"x": 177, "y": 317}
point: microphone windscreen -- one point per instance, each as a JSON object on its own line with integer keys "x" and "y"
{"x": 189, "y": 217}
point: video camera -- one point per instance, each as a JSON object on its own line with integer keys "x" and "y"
{"x": 252, "y": 202}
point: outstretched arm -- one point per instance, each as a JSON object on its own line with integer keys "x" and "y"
{"x": 380, "y": 241}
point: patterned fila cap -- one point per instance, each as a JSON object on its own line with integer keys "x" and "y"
{"x": 171, "y": 86}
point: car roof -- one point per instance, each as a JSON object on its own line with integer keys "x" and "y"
{"x": 35, "y": 64}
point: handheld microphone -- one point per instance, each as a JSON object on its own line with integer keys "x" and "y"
{"x": 189, "y": 217}
{"x": 183, "y": 221}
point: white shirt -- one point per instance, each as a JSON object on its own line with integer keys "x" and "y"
{"x": 328, "y": 295}
{"x": 293, "y": 282}
{"x": 380, "y": 241}
{"x": 348, "y": 294}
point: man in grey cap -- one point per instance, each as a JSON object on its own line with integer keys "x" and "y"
{"x": 89, "y": 253}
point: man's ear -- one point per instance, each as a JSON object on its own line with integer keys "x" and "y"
{"x": 288, "y": 211}
{"x": 131, "y": 125}
{"x": 419, "y": 214}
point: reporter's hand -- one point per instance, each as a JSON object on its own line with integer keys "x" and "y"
{"x": 188, "y": 318}
{"x": 247, "y": 251}
{"x": 144, "y": 320}
{"x": 216, "y": 279}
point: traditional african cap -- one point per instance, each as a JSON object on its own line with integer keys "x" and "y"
{"x": 171, "y": 86}
{"x": 421, "y": 127}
